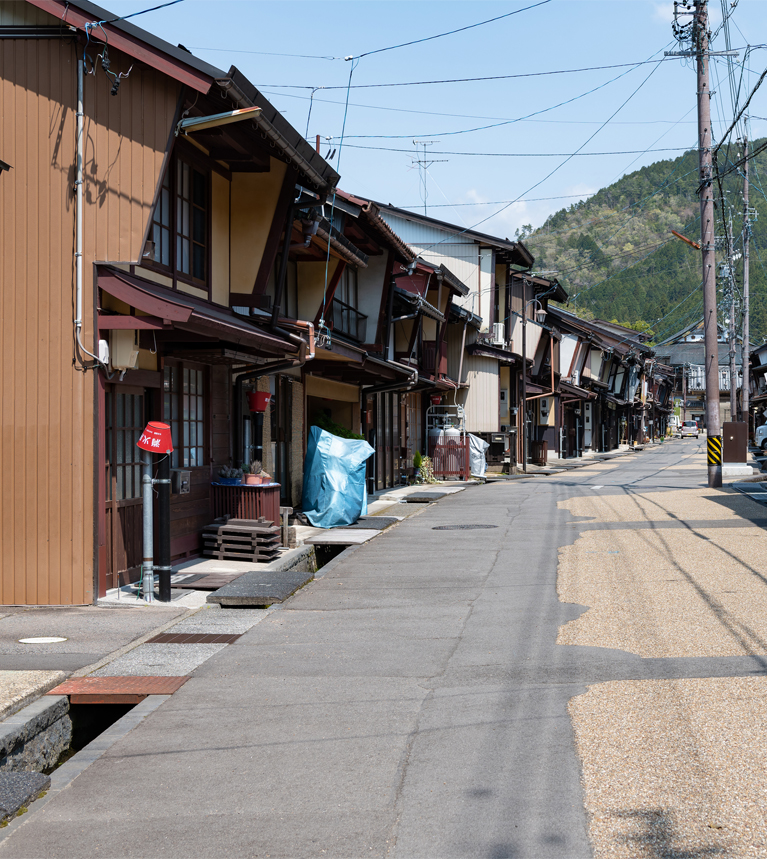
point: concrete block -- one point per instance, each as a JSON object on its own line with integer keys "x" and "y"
{"x": 736, "y": 469}
{"x": 19, "y": 789}
{"x": 343, "y": 537}
{"x": 423, "y": 497}
{"x": 377, "y": 523}
{"x": 261, "y": 588}
{"x": 35, "y": 737}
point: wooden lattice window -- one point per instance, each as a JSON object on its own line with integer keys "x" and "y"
{"x": 184, "y": 410}
{"x": 124, "y": 421}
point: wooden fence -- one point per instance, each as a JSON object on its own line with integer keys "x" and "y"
{"x": 451, "y": 459}
{"x": 247, "y": 502}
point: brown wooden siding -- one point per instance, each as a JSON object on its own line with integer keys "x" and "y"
{"x": 47, "y": 403}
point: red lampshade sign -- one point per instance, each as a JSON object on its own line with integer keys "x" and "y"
{"x": 156, "y": 438}
{"x": 258, "y": 400}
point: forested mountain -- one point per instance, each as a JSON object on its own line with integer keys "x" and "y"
{"x": 615, "y": 254}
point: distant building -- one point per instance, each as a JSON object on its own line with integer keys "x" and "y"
{"x": 685, "y": 351}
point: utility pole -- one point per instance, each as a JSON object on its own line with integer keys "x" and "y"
{"x": 700, "y": 45}
{"x": 731, "y": 332}
{"x": 423, "y": 165}
{"x": 744, "y": 346}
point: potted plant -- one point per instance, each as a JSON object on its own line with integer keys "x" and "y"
{"x": 229, "y": 476}
{"x": 249, "y": 476}
{"x": 254, "y": 474}
{"x": 417, "y": 463}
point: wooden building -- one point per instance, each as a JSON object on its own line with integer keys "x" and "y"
{"x": 180, "y": 229}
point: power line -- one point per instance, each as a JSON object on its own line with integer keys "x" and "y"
{"x": 475, "y": 116}
{"x": 498, "y": 202}
{"x": 487, "y": 78}
{"x": 505, "y": 122}
{"x": 266, "y": 54}
{"x": 527, "y": 154}
{"x": 450, "y": 32}
{"x": 134, "y": 14}
{"x": 561, "y": 164}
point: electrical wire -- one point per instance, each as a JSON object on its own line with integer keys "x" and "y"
{"x": 134, "y": 14}
{"x": 561, "y": 164}
{"x": 450, "y": 32}
{"x": 527, "y": 154}
{"x": 264, "y": 53}
{"x": 630, "y": 66}
{"x": 474, "y": 116}
{"x": 495, "y": 202}
{"x": 353, "y": 66}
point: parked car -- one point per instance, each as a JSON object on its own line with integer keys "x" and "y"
{"x": 760, "y": 436}
{"x": 689, "y": 428}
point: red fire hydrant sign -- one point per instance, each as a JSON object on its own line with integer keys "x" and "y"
{"x": 156, "y": 438}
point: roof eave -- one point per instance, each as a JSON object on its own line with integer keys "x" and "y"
{"x": 137, "y": 43}
{"x": 279, "y": 131}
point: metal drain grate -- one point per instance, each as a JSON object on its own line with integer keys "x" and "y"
{"x": 461, "y": 527}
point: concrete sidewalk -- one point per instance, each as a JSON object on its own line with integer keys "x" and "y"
{"x": 84, "y": 638}
{"x": 89, "y": 633}
{"x": 412, "y": 701}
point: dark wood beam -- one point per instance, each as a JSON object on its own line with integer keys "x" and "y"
{"x": 331, "y": 291}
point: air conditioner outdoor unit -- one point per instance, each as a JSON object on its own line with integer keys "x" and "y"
{"x": 498, "y": 333}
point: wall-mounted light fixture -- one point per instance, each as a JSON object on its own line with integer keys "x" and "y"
{"x": 200, "y": 123}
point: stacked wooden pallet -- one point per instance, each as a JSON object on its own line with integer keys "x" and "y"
{"x": 241, "y": 540}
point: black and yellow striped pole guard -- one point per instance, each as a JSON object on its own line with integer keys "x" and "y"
{"x": 714, "y": 448}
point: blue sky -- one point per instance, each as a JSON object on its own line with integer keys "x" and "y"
{"x": 654, "y": 104}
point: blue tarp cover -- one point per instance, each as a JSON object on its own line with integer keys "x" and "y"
{"x": 334, "y": 479}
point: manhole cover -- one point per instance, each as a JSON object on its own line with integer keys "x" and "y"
{"x": 44, "y": 639}
{"x": 461, "y": 527}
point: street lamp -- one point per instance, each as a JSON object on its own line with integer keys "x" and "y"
{"x": 540, "y": 316}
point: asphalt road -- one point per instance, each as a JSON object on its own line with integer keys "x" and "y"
{"x": 409, "y": 703}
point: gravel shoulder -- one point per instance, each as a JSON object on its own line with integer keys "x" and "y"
{"x": 674, "y": 768}
{"x": 670, "y": 768}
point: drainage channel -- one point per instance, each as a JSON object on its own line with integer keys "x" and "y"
{"x": 95, "y": 728}
{"x": 88, "y": 722}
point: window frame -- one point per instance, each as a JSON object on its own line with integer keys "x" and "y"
{"x": 195, "y": 162}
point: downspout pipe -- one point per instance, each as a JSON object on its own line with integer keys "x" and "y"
{"x": 79, "y": 214}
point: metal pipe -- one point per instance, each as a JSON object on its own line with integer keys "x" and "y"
{"x": 163, "y": 565}
{"x": 524, "y": 376}
{"x": 147, "y": 581}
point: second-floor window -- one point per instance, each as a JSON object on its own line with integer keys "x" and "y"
{"x": 344, "y": 313}
{"x": 180, "y": 223}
